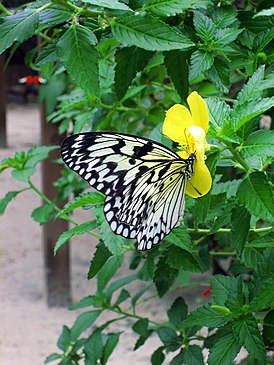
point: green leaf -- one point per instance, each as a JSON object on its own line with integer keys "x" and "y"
{"x": 37, "y": 154}
{"x": 265, "y": 297}
{"x": 24, "y": 174}
{"x": 240, "y": 220}
{"x": 100, "y": 257}
{"x": 255, "y": 193}
{"x": 221, "y": 286}
{"x": 259, "y": 143}
{"x": 262, "y": 242}
{"x": 265, "y": 12}
{"x": 223, "y": 16}
{"x": 44, "y": 213}
{"x": 268, "y": 328}
{"x": 83, "y": 322}
{"x": 109, "y": 4}
{"x": 192, "y": 355}
{"x": 54, "y": 15}
{"x": 219, "y": 114}
{"x": 200, "y": 62}
{"x": 164, "y": 276}
{"x": 110, "y": 345}
{"x": 47, "y": 54}
{"x": 225, "y": 36}
{"x": 179, "y": 258}
{"x": 177, "y": 68}
{"x": 87, "y": 198}
{"x": 79, "y": 229}
{"x": 247, "y": 333}
{"x": 64, "y": 339}
{"x": 147, "y": 32}
{"x": 89, "y": 301}
{"x": 132, "y": 59}
{"x": 180, "y": 238}
{"x": 248, "y": 111}
{"x": 158, "y": 356}
{"x": 169, "y": 338}
{"x": 224, "y": 350}
{"x": 206, "y": 316}
{"x": 124, "y": 295}
{"x": 81, "y": 120}
{"x": 177, "y": 312}
{"x": 252, "y": 89}
{"x": 77, "y": 51}
{"x": 106, "y": 273}
{"x": 168, "y": 7}
{"x": 17, "y": 28}
{"x": 7, "y": 199}
{"x": 218, "y": 75}
{"x": 204, "y": 26}
{"x": 94, "y": 348}
{"x": 141, "y": 327}
{"x": 53, "y": 357}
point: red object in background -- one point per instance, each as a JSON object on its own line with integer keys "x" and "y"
{"x": 206, "y": 292}
{"x": 32, "y": 80}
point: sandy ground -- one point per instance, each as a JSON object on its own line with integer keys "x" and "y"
{"x": 29, "y": 329}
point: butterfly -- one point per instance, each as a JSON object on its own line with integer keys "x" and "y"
{"x": 144, "y": 181}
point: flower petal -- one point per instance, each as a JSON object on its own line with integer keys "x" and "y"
{"x": 201, "y": 181}
{"x": 177, "y": 119}
{"x": 199, "y": 111}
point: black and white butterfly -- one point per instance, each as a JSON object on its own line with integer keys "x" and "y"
{"x": 144, "y": 181}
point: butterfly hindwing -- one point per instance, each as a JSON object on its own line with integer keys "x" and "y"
{"x": 144, "y": 181}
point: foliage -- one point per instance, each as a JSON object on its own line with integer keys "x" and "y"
{"x": 117, "y": 66}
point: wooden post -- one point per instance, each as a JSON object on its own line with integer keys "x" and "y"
{"x": 57, "y": 268}
{"x": 3, "y": 121}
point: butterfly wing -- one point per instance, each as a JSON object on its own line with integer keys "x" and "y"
{"x": 144, "y": 182}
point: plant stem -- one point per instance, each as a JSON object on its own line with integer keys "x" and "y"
{"x": 136, "y": 316}
{"x": 225, "y": 230}
{"x": 4, "y": 10}
{"x": 237, "y": 157}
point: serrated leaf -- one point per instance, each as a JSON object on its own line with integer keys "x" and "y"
{"x": 147, "y": 32}
{"x": 268, "y": 328}
{"x": 265, "y": 297}
{"x": 124, "y": 295}
{"x": 177, "y": 67}
{"x": 180, "y": 238}
{"x": 178, "y": 258}
{"x": 100, "y": 257}
{"x": 158, "y": 356}
{"x": 83, "y": 322}
{"x": 164, "y": 276}
{"x": 251, "y": 89}
{"x": 169, "y": 338}
{"x": 81, "y": 120}
{"x": 110, "y": 345}
{"x": 221, "y": 286}
{"x": 87, "y": 198}
{"x": 223, "y": 16}
{"x": 177, "y": 312}
{"x": 255, "y": 194}
{"x": 54, "y": 15}
{"x": 64, "y": 339}
{"x": 262, "y": 242}
{"x": 204, "y": 26}
{"x": 44, "y": 213}
{"x": 132, "y": 59}
{"x": 17, "y": 28}
{"x": 247, "y": 333}
{"x": 106, "y": 273}
{"x": 94, "y": 348}
{"x": 265, "y": 12}
{"x": 206, "y": 316}
{"x": 200, "y": 62}
{"x": 7, "y": 199}
{"x": 218, "y": 75}
{"x": 219, "y": 113}
{"x": 89, "y": 301}
{"x": 77, "y": 51}
{"x": 23, "y": 175}
{"x": 224, "y": 350}
{"x": 109, "y": 4}
{"x": 79, "y": 229}
{"x": 168, "y": 7}
{"x": 244, "y": 113}
{"x": 225, "y": 36}
{"x": 37, "y": 154}
{"x": 47, "y": 54}
{"x": 240, "y": 219}
{"x": 259, "y": 143}
{"x": 193, "y": 355}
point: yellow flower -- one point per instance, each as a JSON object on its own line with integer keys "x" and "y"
{"x": 188, "y": 128}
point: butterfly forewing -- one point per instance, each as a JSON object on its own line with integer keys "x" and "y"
{"x": 144, "y": 181}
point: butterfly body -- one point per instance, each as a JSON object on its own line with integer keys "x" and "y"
{"x": 144, "y": 181}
